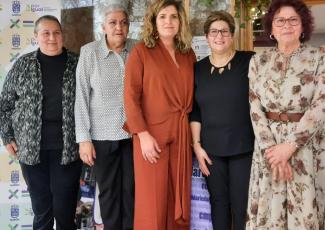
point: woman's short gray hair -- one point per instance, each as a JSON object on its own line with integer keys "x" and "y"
{"x": 113, "y": 7}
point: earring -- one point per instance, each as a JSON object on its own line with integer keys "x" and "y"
{"x": 272, "y": 37}
{"x": 302, "y": 35}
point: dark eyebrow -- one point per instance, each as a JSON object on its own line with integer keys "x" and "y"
{"x": 47, "y": 30}
{"x": 219, "y": 29}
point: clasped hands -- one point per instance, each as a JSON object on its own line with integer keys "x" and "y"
{"x": 278, "y": 158}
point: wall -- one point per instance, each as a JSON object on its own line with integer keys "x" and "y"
{"x": 317, "y": 39}
{"x": 199, "y": 11}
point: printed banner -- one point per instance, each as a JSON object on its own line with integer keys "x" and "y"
{"x": 200, "y": 198}
{"x": 17, "y": 20}
{"x": 200, "y": 201}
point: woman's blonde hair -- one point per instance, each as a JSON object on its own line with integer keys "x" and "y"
{"x": 150, "y": 35}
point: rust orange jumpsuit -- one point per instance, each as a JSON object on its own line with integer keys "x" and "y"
{"x": 158, "y": 97}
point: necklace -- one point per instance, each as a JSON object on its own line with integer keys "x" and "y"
{"x": 221, "y": 68}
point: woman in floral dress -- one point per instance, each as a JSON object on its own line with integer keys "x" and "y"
{"x": 287, "y": 97}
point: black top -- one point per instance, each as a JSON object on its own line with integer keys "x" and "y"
{"x": 221, "y": 106}
{"x": 52, "y": 68}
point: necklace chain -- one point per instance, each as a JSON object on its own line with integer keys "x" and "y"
{"x": 222, "y": 68}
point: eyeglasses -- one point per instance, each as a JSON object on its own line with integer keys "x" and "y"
{"x": 293, "y": 21}
{"x": 215, "y": 32}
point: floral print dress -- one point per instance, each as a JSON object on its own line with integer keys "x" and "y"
{"x": 291, "y": 84}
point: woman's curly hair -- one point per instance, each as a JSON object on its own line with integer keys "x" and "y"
{"x": 150, "y": 35}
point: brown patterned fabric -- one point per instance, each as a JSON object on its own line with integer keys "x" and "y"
{"x": 290, "y": 84}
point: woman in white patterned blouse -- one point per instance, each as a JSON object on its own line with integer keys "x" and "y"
{"x": 99, "y": 114}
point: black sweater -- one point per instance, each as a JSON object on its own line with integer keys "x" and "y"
{"x": 221, "y": 106}
{"x": 52, "y": 68}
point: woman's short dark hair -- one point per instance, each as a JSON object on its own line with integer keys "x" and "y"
{"x": 307, "y": 20}
{"x": 46, "y": 18}
{"x": 220, "y": 16}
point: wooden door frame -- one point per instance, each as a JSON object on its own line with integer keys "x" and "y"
{"x": 314, "y": 2}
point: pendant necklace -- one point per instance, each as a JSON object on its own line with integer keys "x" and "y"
{"x": 227, "y": 64}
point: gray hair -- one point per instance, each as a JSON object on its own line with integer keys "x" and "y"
{"x": 110, "y": 8}
{"x": 46, "y": 18}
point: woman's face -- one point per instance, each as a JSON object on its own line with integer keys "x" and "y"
{"x": 167, "y": 22}
{"x": 49, "y": 37}
{"x": 286, "y": 26}
{"x": 219, "y": 37}
{"x": 116, "y": 28}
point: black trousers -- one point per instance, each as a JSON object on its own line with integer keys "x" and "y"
{"x": 53, "y": 190}
{"x": 228, "y": 187}
{"x": 114, "y": 173}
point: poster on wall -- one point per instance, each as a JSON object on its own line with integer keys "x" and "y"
{"x": 200, "y": 201}
{"x": 200, "y": 198}
{"x": 17, "y": 20}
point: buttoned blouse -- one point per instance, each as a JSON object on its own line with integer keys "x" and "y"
{"x": 99, "y": 107}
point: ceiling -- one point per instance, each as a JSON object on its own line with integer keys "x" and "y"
{"x": 318, "y": 12}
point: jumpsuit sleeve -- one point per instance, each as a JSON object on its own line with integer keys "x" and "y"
{"x": 133, "y": 92}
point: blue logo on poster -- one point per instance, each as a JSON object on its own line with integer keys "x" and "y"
{"x": 15, "y": 40}
{"x": 205, "y": 216}
{"x": 14, "y": 211}
{"x": 16, "y": 7}
{"x": 15, "y": 176}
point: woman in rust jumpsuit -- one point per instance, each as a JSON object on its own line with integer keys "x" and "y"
{"x": 158, "y": 97}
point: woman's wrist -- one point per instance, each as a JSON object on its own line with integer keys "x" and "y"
{"x": 195, "y": 143}
{"x": 143, "y": 133}
{"x": 293, "y": 145}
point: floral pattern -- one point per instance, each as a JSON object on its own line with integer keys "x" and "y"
{"x": 292, "y": 84}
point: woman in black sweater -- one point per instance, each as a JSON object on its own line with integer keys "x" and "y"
{"x": 223, "y": 138}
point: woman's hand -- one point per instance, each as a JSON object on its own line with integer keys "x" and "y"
{"x": 149, "y": 147}
{"x": 12, "y": 148}
{"x": 202, "y": 158}
{"x": 87, "y": 152}
{"x": 282, "y": 172}
{"x": 279, "y": 154}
